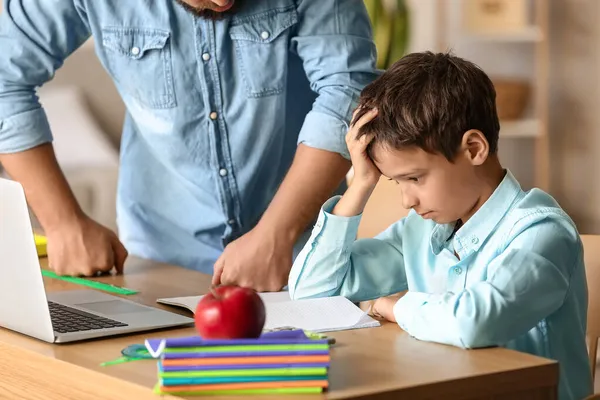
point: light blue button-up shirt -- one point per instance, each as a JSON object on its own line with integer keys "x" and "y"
{"x": 215, "y": 109}
{"x": 519, "y": 281}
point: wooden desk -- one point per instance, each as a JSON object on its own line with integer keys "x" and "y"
{"x": 376, "y": 363}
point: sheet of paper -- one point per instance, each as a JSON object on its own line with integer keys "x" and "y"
{"x": 317, "y": 315}
{"x": 190, "y": 302}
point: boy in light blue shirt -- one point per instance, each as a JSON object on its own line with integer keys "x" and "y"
{"x": 484, "y": 262}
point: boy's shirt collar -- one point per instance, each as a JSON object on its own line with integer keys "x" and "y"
{"x": 474, "y": 233}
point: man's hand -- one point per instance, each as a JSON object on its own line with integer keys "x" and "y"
{"x": 84, "y": 248}
{"x": 259, "y": 260}
{"x": 76, "y": 244}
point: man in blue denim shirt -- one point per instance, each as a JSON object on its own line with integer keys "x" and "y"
{"x": 234, "y": 132}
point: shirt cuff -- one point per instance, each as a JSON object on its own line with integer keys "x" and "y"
{"x": 407, "y": 308}
{"x": 335, "y": 230}
{"x": 325, "y": 132}
{"x": 24, "y": 131}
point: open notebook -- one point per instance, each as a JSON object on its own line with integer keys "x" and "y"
{"x": 317, "y": 315}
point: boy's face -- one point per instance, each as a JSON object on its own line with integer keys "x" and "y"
{"x": 431, "y": 185}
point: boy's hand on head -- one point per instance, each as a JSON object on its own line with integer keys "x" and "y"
{"x": 366, "y": 173}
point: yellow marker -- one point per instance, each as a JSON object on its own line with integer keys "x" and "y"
{"x": 40, "y": 245}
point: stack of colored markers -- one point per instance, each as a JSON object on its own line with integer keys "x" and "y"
{"x": 284, "y": 362}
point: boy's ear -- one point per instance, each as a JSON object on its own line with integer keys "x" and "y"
{"x": 475, "y": 146}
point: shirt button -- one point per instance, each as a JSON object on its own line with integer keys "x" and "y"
{"x": 474, "y": 240}
{"x": 458, "y": 270}
{"x": 265, "y": 35}
{"x": 231, "y": 221}
{"x": 206, "y": 56}
{"x": 223, "y": 172}
{"x": 135, "y": 51}
{"x": 213, "y": 115}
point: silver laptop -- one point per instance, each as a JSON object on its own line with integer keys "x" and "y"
{"x": 58, "y": 317}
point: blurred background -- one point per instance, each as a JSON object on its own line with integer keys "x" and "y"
{"x": 541, "y": 54}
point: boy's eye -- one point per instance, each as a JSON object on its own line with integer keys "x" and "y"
{"x": 408, "y": 179}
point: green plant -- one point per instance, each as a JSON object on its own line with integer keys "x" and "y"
{"x": 390, "y": 20}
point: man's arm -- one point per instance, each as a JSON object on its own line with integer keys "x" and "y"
{"x": 334, "y": 41}
{"x": 35, "y": 38}
{"x": 311, "y": 180}
{"x": 46, "y": 188}
{"x": 262, "y": 258}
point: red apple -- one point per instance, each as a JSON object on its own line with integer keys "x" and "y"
{"x": 230, "y": 312}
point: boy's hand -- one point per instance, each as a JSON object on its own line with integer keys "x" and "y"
{"x": 383, "y": 307}
{"x": 366, "y": 173}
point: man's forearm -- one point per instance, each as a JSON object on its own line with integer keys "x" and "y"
{"x": 311, "y": 180}
{"x": 46, "y": 188}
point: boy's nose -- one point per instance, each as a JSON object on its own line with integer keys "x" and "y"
{"x": 408, "y": 201}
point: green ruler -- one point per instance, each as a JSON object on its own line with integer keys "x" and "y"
{"x": 86, "y": 282}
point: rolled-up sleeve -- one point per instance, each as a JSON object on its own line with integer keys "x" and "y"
{"x": 334, "y": 41}
{"x": 35, "y": 39}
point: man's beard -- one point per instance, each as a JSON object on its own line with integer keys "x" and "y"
{"x": 207, "y": 13}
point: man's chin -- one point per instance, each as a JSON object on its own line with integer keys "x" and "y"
{"x": 226, "y": 7}
{"x": 208, "y": 13}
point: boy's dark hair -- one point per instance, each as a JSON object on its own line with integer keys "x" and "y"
{"x": 430, "y": 100}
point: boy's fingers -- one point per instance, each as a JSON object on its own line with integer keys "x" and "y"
{"x": 368, "y": 116}
{"x": 364, "y": 140}
{"x": 351, "y": 136}
{"x": 361, "y": 122}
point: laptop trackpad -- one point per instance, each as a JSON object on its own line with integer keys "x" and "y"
{"x": 112, "y": 307}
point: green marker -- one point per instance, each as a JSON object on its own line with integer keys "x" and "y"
{"x": 107, "y": 287}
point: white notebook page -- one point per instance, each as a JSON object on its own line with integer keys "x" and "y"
{"x": 317, "y": 315}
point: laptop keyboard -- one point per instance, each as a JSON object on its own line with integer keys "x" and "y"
{"x": 66, "y": 319}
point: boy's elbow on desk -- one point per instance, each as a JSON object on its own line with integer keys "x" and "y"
{"x": 477, "y": 333}
{"x": 468, "y": 337}
{"x": 465, "y": 333}
{"x": 474, "y": 338}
